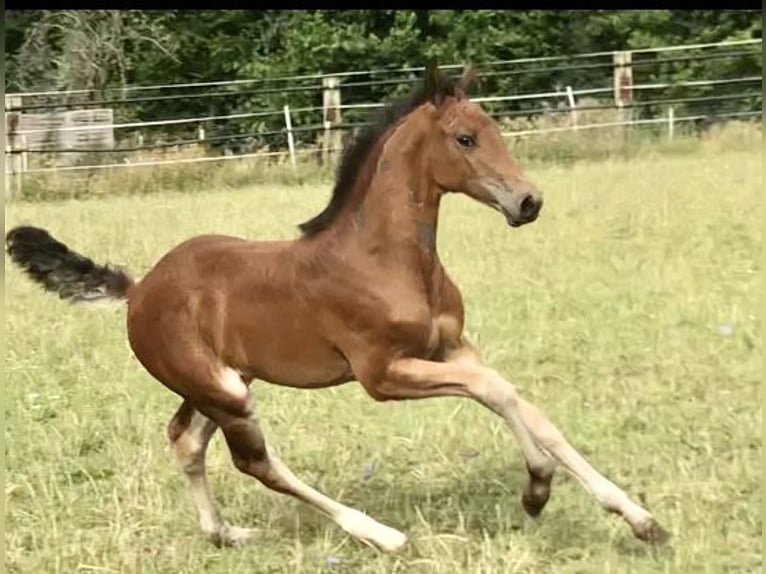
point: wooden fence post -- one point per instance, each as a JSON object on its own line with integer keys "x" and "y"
{"x": 671, "y": 123}
{"x": 330, "y": 116}
{"x": 572, "y": 107}
{"x": 290, "y": 140}
{"x": 623, "y": 87}
{"x": 14, "y": 171}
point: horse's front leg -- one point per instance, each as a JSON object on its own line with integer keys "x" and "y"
{"x": 540, "y": 466}
{"x": 410, "y": 378}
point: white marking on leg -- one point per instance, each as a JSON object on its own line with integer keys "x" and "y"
{"x": 533, "y": 429}
{"x": 416, "y": 378}
{"x": 501, "y": 396}
{"x": 190, "y": 449}
{"x": 608, "y": 494}
{"x": 232, "y": 384}
{"x": 537, "y": 460}
{"x": 349, "y": 519}
{"x": 369, "y": 530}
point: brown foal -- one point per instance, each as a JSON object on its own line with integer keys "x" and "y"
{"x": 361, "y": 295}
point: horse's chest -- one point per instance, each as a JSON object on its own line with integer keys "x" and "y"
{"x": 424, "y": 334}
{"x": 430, "y": 323}
{"x": 407, "y": 314}
{"x": 444, "y": 334}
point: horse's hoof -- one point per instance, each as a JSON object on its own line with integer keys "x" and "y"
{"x": 650, "y": 531}
{"x": 533, "y": 506}
{"x": 393, "y": 542}
{"x": 371, "y": 532}
{"x": 228, "y": 535}
{"x": 536, "y": 495}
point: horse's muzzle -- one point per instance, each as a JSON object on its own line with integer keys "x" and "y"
{"x": 520, "y": 203}
{"x": 523, "y": 211}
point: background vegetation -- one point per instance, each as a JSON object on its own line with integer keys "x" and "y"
{"x": 104, "y": 51}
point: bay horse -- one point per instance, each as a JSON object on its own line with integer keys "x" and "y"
{"x": 360, "y": 295}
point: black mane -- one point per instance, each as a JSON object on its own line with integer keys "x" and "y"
{"x": 357, "y": 151}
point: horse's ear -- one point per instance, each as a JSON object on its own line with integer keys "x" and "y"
{"x": 467, "y": 80}
{"x": 434, "y": 82}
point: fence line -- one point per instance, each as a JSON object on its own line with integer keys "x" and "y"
{"x": 512, "y": 134}
{"x": 699, "y": 83}
{"x": 697, "y": 46}
{"x": 634, "y": 104}
{"x": 320, "y": 76}
{"x": 165, "y": 122}
{"x": 543, "y": 131}
{"x": 619, "y": 97}
{"x": 515, "y": 97}
{"x": 346, "y": 126}
{"x": 174, "y": 161}
{"x": 347, "y": 85}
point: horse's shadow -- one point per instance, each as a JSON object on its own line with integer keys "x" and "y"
{"x": 482, "y": 500}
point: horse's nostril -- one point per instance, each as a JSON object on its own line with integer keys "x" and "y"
{"x": 529, "y": 207}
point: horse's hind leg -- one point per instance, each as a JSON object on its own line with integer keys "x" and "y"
{"x": 235, "y": 414}
{"x": 189, "y": 432}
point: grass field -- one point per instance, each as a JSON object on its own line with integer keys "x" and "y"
{"x": 628, "y": 312}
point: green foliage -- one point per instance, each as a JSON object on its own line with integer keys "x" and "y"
{"x": 87, "y": 49}
{"x": 211, "y": 45}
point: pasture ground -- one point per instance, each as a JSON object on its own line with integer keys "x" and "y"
{"x": 628, "y": 312}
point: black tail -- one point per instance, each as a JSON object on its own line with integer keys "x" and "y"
{"x": 56, "y": 268}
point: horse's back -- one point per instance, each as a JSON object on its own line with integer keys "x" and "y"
{"x": 211, "y": 257}
{"x": 206, "y": 271}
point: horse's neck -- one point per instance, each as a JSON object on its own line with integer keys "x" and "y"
{"x": 391, "y": 222}
{"x": 396, "y": 210}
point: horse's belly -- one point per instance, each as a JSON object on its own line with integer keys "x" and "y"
{"x": 291, "y": 357}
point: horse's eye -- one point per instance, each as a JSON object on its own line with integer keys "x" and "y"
{"x": 466, "y": 141}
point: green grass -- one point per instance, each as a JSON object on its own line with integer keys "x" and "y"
{"x": 628, "y": 312}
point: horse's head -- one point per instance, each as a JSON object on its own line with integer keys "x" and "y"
{"x": 468, "y": 154}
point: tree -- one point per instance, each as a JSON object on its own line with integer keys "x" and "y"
{"x": 87, "y": 49}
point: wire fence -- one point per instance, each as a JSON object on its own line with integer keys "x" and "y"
{"x": 290, "y": 79}
{"x": 318, "y": 86}
{"x": 250, "y": 131}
